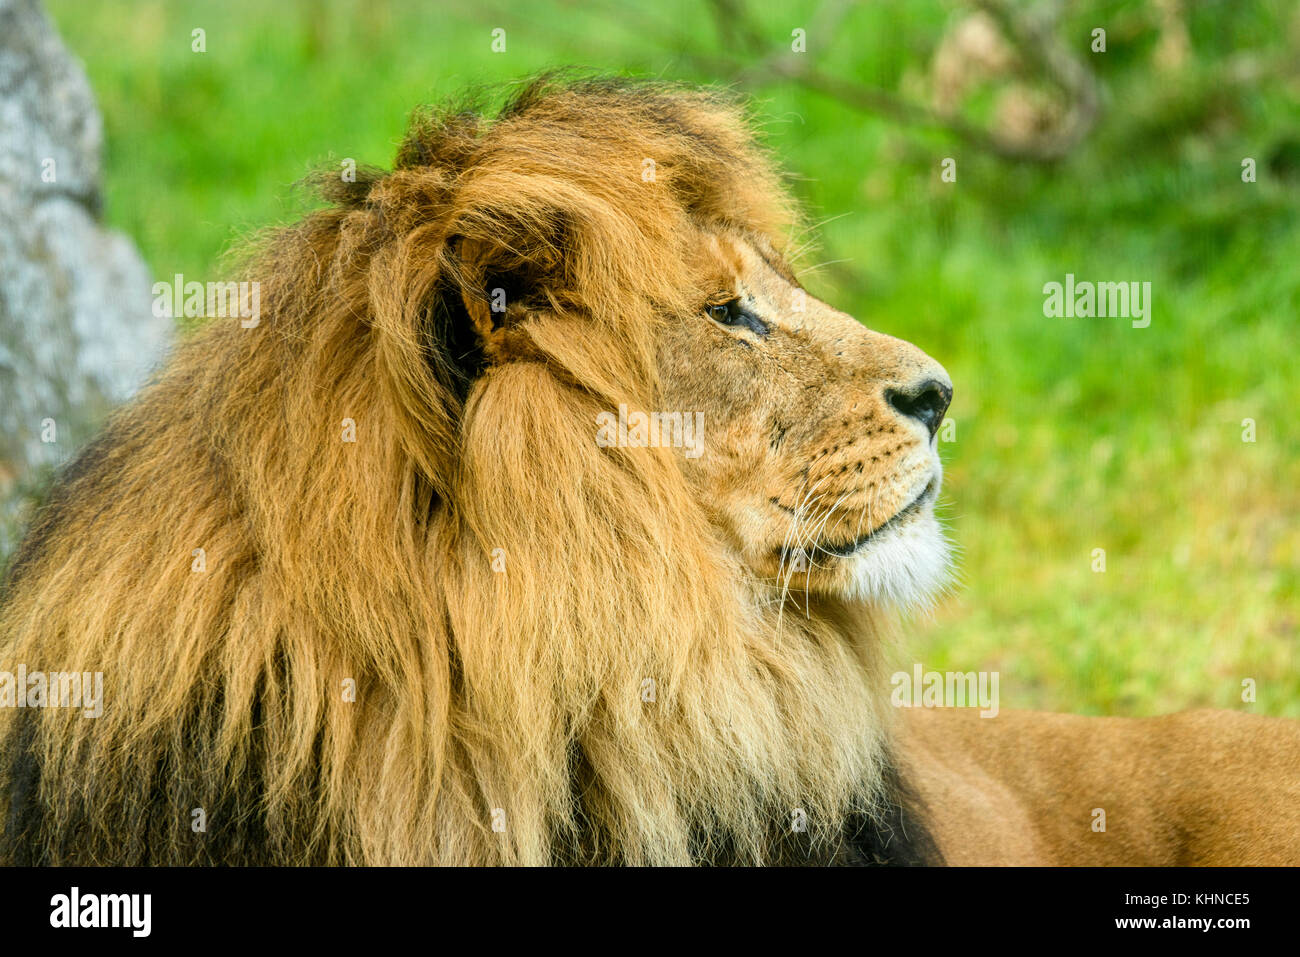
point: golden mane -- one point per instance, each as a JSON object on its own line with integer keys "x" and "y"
{"x": 553, "y": 657}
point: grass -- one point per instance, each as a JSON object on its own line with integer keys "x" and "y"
{"x": 1071, "y": 434}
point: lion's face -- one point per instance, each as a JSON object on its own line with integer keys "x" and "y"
{"x": 818, "y": 459}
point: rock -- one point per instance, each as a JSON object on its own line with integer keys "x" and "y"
{"x": 77, "y": 333}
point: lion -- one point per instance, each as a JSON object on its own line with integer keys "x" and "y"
{"x": 545, "y": 518}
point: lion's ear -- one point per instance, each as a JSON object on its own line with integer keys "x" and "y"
{"x": 508, "y": 269}
{"x": 486, "y": 304}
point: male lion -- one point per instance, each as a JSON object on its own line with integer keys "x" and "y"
{"x": 370, "y": 582}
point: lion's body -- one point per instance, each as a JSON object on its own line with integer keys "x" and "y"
{"x": 1197, "y": 788}
{"x": 365, "y": 588}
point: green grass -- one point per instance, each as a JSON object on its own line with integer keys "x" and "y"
{"x": 1072, "y": 434}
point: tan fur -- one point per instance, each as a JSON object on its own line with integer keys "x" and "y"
{"x": 562, "y": 649}
{"x": 1198, "y": 788}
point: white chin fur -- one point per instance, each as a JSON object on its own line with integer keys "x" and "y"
{"x": 903, "y": 567}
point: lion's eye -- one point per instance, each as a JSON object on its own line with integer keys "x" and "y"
{"x": 724, "y": 312}
{"x": 734, "y": 314}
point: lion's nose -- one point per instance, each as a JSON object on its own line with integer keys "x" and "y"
{"x": 926, "y": 401}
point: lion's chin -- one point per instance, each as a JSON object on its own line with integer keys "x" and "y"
{"x": 903, "y": 567}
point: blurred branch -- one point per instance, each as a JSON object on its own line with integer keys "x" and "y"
{"x": 1034, "y": 39}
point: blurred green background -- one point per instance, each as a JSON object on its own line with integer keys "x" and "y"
{"x": 1070, "y": 434}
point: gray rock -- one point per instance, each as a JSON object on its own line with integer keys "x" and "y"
{"x": 77, "y": 334}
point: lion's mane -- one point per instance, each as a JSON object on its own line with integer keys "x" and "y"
{"x": 553, "y": 657}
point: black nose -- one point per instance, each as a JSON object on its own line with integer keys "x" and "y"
{"x": 926, "y": 402}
